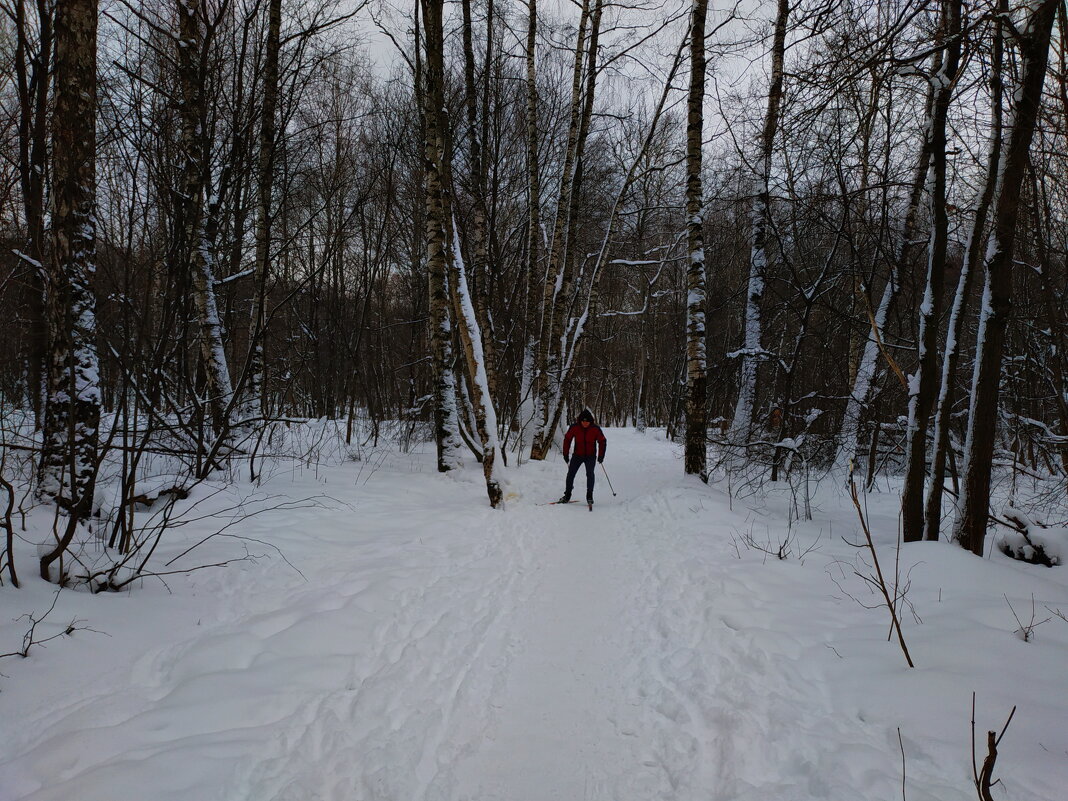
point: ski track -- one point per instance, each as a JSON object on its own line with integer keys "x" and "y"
{"x": 540, "y": 653}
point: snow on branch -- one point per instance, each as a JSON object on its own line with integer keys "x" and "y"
{"x": 1032, "y": 542}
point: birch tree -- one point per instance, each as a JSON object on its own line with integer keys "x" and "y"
{"x": 547, "y": 370}
{"x": 867, "y": 367}
{"x": 481, "y": 269}
{"x": 752, "y": 352}
{"x": 196, "y": 248}
{"x": 430, "y": 80}
{"x": 534, "y": 276}
{"x": 571, "y": 337}
{"x": 72, "y": 418}
{"x": 443, "y": 244}
{"x": 256, "y": 379}
{"x": 696, "y": 411}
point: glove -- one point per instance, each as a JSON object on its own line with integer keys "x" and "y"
{"x": 600, "y": 460}
{"x": 567, "y": 459}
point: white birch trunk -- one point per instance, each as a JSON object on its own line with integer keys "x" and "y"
{"x": 752, "y": 352}
{"x": 198, "y": 249}
{"x": 471, "y": 337}
{"x": 430, "y": 90}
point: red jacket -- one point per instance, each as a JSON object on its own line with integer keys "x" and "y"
{"x": 587, "y": 441}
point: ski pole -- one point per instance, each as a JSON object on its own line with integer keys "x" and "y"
{"x": 606, "y": 478}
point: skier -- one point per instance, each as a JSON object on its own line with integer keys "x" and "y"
{"x": 590, "y": 446}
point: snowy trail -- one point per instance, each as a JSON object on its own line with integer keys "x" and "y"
{"x": 566, "y": 723}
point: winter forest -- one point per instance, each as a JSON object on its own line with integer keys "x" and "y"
{"x": 298, "y": 299}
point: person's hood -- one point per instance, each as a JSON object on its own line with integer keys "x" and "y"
{"x": 586, "y": 414}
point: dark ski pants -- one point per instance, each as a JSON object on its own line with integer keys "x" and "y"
{"x": 573, "y": 468}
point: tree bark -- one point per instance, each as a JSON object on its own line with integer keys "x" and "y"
{"x": 529, "y": 409}
{"x": 696, "y": 376}
{"x": 430, "y": 83}
{"x": 481, "y": 269}
{"x": 33, "y": 74}
{"x": 255, "y": 402}
{"x": 944, "y": 407}
{"x": 752, "y": 350}
{"x": 1033, "y": 41}
{"x": 548, "y": 365}
{"x": 197, "y": 248}
{"x": 923, "y": 387}
{"x": 72, "y": 418}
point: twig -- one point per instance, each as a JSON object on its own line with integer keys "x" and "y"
{"x": 901, "y": 745}
{"x": 881, "y": 583}
{"x": 1027, "y": 632}
{"x": 151, "y": 574}
{"x": 28, "y": 640}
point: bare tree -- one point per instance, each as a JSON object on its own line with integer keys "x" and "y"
{"x": 33, "y": 73}
{"x": 752, "y": 352}
{"x": 924, "y": 384}
{"x": 256, "y": 378}
{"x": 535, "y": 277}
{"x": 696, "y": 404}
{"x": 972, "y": 253}
{"x": 196, "y": 247}
{"x": 548, "y": 382}
{"x": 446, "y": 418}
{"x": 1032, "y": 42}
{"x": 72, "y": 419}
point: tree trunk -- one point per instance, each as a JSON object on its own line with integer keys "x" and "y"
{"x": 752, "y": 350}
{"x": 1033, "y": 45}
{"x": 430, "y": 82}
{"x": 547, "y": 367}
{"x": 529, "y": 409}
{"x": 481, "y": 270}
{"x": 255, "y": 403}
{"x": 944, "y": 407}
{"x": 571, "y": 340}
{"x": 696, "y": 411}
{"x": 32, "y": 78}
{"x": 439, "y": 209}
{"x": 923, "y": 386}
{"x": 475, "y": 358}
{"x": 198, "y": 250}
{"x": 72, "y": 418}
{"x": 857, "y": 404}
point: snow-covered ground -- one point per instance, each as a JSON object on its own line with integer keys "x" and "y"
{"x": 415, "y": 645}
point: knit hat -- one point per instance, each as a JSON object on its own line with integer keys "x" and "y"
{"x": 585, "y": 414}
